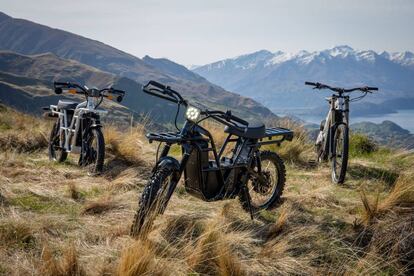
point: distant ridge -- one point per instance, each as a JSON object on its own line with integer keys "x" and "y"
{"x": 26, "y": 37}
{"x": 277, "y": 79}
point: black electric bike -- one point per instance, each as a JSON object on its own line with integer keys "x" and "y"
{"x": 256, "y": 177}
{"x": 332, "y": 142}
{"x": 78, "y": 126}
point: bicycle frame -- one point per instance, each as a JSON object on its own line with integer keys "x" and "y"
{"x": 70, "y": 130}
{"x": 220, "y": 178}
{"x": 338, "y": 114}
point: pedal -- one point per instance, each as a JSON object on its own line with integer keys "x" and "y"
{"x": 313, "y": 163}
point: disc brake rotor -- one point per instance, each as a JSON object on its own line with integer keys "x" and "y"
{"x": 260, "y": 187}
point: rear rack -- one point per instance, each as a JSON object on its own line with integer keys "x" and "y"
{"x": 170, "y": 137}
{"x": 282, "y": 133}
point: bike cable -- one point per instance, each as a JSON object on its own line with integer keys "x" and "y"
{"x": 176, "y": 116}
{"x": 158, "y": 150}
{"x": 358, "y": 98}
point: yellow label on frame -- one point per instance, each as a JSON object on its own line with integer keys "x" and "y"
{"x": 72, "y": 91}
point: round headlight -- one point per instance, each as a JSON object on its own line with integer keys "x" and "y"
{"x": 192, "y": 113}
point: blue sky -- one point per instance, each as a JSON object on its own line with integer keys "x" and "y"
{"x": 203, "y": 31}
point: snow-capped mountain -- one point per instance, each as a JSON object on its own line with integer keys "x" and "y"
{"x": 277, "y": 79}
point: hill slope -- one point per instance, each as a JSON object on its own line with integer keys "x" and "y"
{"x": 27, "y": 84}
{"x": 64, "y": 222}
{"x": 27, "y": 37}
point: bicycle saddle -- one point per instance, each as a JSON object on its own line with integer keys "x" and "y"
{"x": 66, "y": 104}
{"x": 255, "y": 130}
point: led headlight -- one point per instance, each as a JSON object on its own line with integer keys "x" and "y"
{"x": 192, "y": 113}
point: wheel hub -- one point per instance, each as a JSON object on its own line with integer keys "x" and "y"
{"x": 262, "y": 187}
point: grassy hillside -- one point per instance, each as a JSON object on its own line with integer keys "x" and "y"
{"x": 56, "y": 220}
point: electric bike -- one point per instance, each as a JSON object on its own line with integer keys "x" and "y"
{"x": 256, "y": 177}
{"x": 332, "y": 142}
{"x": 78, "y": 126}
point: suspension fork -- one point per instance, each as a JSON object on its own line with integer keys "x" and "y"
{"x": 187, "y": 150}
{"x": 245, "y": 178}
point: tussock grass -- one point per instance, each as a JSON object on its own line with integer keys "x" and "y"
{"x": 21, "y": 132}
{"x": 319, "y": 229}
{"x": 126, "y": 145}
{"x": 277, "y": 227}
{"x": 74, "y": 193}
{"x": 16, "y": 232}
{"x": 100, "y": 206}
{"x": 66, "y": 265}
{"x": 299, "y": 150}
{"x": 212, "y": 255}
{"x": 140, "y": 259}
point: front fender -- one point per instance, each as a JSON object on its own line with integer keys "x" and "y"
{"x": 169, "y": 163}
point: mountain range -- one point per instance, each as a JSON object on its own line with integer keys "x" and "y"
{"x": 110, "y": 66}
{"x": 276, "y": 79}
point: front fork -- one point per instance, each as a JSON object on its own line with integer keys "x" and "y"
{"x": 245, "y": 179}
{"x": 178, "y": 168}
{"x": 344, "y": 118}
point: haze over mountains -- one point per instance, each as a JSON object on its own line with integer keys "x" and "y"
{"x": 127, "y": 71}
{"x": 277, "y": 79}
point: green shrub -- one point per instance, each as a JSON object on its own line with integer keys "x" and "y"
{"x": 361, "y": 144}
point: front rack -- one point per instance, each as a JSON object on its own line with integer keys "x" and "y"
{"x": 169, "y": 137}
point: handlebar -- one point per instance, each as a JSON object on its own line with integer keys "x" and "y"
{"x": 59, "y": 86}
{"x": 317, "y": 85}
{"x": 164, "y": 92}
{"x": 226, "y": 116}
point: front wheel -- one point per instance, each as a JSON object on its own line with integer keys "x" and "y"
{"x": 154, "y": 200}
{"x": 340, "y": 150}
{"x": 266, "y": 182}
{"x": 93, "y": 152}
{"x": 56, "y": 153}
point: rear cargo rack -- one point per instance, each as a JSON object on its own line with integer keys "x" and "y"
{"x": 276, "y": 132}
{"x": 170, "y": 137}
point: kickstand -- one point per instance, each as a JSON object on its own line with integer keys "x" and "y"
{"x": 247, "y": 195}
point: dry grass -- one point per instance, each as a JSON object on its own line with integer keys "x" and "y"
{"x": 20, "y": 132}
{"x": 66, "y": 265}
{"x": 140, "y": 259}
{"x": 279, "y": 225}
{"x": 213, "y": 256}
{"x": 127, "y": 145}
{"x": 315, "y": 231}
{"x": 299, "y": 150}
{"x": 100, "y": 206}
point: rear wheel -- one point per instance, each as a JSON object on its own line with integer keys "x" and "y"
{"x": 153, "y": 201}
{"x": 266, "y": 187}
{"x": 56, "y": 153}
{"x": 340, "y": 150}
{"x": 93, "y": 153}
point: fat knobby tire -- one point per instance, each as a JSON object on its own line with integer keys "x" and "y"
{"x": 340, "y": 179}
{"x": 100, "y": 150}
{"x": 148, "y": 198}
{"x": 56, "y": 155}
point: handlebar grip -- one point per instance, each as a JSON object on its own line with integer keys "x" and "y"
{"x": 156, "y": 84}
{"x": 229, "y": 117}
{"x": 372, "y": 88}
{"x": 241, "y": 121}
{"x": 60, "y": 83}
{"x": 310, "y": 83}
